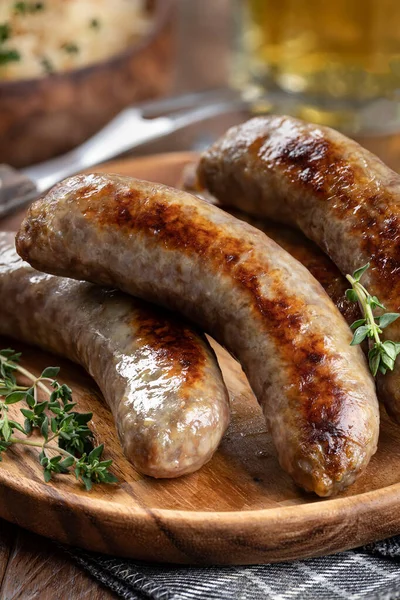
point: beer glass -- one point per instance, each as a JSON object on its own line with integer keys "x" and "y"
{"x": 329, "y": 62}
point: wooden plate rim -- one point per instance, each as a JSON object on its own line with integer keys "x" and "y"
{"x": 323, "y": 508}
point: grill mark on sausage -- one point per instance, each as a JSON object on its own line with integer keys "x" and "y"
{"x": 317, "y": 165}
{"x": 173, "y": 343}
{"x": 300, "y": 247}
{"x": 319, "y": 265}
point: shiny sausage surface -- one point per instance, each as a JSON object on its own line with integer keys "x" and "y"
{"x": 337, "y": 193}
{"x": 167, "y": 246}
{"x": 159, "y": 376}
{"x": 291, "y": 240}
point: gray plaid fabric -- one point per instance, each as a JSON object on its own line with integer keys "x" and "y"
{"x": 371, "y": 573}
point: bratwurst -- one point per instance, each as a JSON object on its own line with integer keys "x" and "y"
{"x": 167, "y": 246}
{"x": 159, "y": 377}
{"x": 337, "y": 193}
{"x": 291, "y": 240}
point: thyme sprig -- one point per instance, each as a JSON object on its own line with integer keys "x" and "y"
{"x": 65, "y": 439}
{"x": 382, "y": 355}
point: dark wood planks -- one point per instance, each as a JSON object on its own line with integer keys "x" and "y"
{"x": 7, "y": 536}
{"x": 33, "y": 568}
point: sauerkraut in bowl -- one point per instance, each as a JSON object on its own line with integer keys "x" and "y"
{"x": 38, "y": 38}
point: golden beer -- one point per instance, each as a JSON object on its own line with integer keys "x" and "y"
{"x": 340, "y": 49}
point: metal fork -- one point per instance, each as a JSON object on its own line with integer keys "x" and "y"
{"x": 132, "y": 128}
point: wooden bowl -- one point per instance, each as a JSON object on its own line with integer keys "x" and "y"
{"x": 40, "y": 118}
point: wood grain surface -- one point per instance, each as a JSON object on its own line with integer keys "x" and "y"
{"x": 33, "y": 568}
{"x": 239, "y": 508}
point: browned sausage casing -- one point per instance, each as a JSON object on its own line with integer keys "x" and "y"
{"x": 294, "y": 242}
{"x": 170, "y": 247}
{"x": 339, "y": 194}
{"x": 159, "y": 377}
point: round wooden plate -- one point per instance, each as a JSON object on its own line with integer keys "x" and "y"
{"x": 240, "y": 508}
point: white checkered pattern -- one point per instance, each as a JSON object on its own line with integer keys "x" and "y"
{"x": 353, "y": 575}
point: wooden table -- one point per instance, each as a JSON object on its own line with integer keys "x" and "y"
{"x": 32, "y": 567}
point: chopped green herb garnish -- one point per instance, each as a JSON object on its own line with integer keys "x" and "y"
{"x": 94, "y": 24}
{"x": 7, "y": 56}
{"x": 71, "y": 48}
{"x": 47, "y": 65}
{"x": 5, "y": 32}
{"x": 23, "y": 8}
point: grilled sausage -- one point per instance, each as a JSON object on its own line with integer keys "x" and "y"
{"x": 159, "y": 377}
{"x": 337, "y": 193}
{"x": 294, "y": 242}
{"x": 172, "y": 248}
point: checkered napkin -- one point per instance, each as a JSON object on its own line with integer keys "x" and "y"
{"x": 372, "y": 573}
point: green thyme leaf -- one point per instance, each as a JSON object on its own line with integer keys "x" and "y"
{"x": 360, "y": 272}
{"x": 386, "y": 319}
{"x": 358, "y": 323}
{"x": 40, "y": 408}
{"x": 374, "y": 360}
{"x": 96, "y": 453}
{"x": 10, "y": 355}
{"x": 28, "y": 413}
{"x": 15, "y": 397}
{"x": 374, "y": 302}
{"x": 67, "y": 462}
{"x": 50, "y": 372}
{"x": 5, "y": 430}
{"x": 109, "y": 478}
{"x": 360, "y": 334}
{"x": 351, "y": 295}
{"x": 15, "y": 425}
{"x": 29, "y": 398}
{"x": 87, "y": 481}
{"x": 387, "y": 361}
